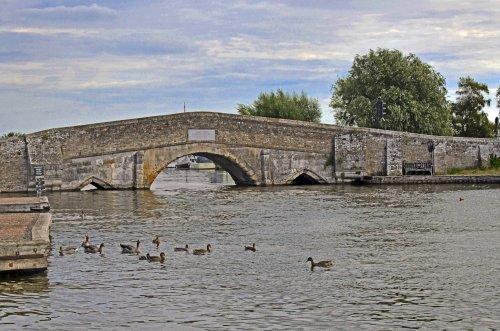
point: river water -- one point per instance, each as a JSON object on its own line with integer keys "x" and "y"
{"x": 417, "y": 257}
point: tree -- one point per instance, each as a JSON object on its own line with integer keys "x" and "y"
{"x": 469, "y": 119}
{"x": 12, "y": 134}
{"x": 413, "y": 92}
{"x": 498, "y": 99}
{"x": 283, "y": 105}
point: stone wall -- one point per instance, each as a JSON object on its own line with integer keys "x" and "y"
{"x": 256, "y": 151}
{"x": 14, "y": 169}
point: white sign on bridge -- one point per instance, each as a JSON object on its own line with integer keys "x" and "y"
{"x": 201, "y": 135}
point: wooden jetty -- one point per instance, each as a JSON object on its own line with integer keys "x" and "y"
{"x": 24, "y": 234}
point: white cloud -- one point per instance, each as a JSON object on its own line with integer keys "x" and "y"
{"x": 65, "y": 13}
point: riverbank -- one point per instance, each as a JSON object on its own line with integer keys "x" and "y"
{"x": 428, "y": 180}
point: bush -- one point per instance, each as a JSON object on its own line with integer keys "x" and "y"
{"x": 454, "y": 171}
{"x": 494, "y": 161}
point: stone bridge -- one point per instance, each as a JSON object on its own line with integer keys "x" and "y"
{"x": 130, "y": 154}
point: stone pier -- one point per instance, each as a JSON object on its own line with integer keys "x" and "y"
{"x": 24, "y": 234}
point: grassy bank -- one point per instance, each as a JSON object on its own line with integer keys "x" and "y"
{"x": 473, "y": 172}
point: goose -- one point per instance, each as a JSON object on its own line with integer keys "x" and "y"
{"x": 86, "y": 242}
{"x": 67, "y": 250}
{"x": 156, "y": 241}
{"x": 202, "y": 251}
{"x": 250, "y": 248}
{"x": 144, "y": 257}
{"x": 321, "y": 264}
{"x": 182, "y": 249}
{"x": 153, "y": 258}
{"x": 129, "y": 249}
{"x": 94, "y": 249}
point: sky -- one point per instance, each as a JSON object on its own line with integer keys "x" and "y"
{"x": 65, "y": 63}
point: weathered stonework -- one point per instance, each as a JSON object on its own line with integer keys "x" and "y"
{"x": 254, "y": 150}
{"x": 14, "y": 171}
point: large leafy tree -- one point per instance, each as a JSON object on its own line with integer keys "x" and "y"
{"x": 414, "y": 94}
{"x": 469, "y": 118}
{"x": 498, "y": 99}
{"x": 283, "y": 105}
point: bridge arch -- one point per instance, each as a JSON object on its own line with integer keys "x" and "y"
{"x": 305, "y": 177}
{"x": 97, "y": 182}
{"x": 240, "y": 171}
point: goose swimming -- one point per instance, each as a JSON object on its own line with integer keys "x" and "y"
{"x": 86, "y": 242}
{"x": 153, "y": 258}
{"x": 202, "y": 251}
{"x": 94, "y": 249}
{"x": 129, "y": 249}
{"x": 321, "y": 264}
{"x": 67, "y": 250}
{"x": 250, "y": 248}
{"x": 182, "y": 249}
{"x": 156, "y": 241}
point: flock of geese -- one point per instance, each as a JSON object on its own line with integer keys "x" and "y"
{"x": 134, "y": 250}
{"x": 130, "y": 249}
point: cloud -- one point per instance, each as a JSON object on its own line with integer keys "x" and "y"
{"x": 75, "y": 13}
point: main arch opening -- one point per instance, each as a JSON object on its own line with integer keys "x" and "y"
{"x": 202, "y": 170}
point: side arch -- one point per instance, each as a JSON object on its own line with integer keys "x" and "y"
{"x": 305, "y": 177}
{"x": 97, "y": 182}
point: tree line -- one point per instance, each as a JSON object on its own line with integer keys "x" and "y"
{"x": 390, "y": 90}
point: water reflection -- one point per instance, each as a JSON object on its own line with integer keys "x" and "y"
{"x": 23, "y": 284}
{"x": 20, "y": 296}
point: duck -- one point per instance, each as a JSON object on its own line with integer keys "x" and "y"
{"x": 67, "y": 250}
{"x": 250, "y": 248}
{"x": 321, "y": 264}
{"x": 129, "y": 249}
{"x": 156, "y": 241}
{"x": 202, "y": 251}
{"x": 86, "y": 242}
{"x": 182, "y": 249}
{"x": 94, "y": 249}
{"x": 153, "y": 258}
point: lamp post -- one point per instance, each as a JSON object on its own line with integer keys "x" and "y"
{"x": 430, "y": 148}
{"x": 496, "y": 127}
{"x": 380, "y": 111}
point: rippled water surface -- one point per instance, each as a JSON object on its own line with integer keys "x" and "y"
{"x": 405, "y": 257}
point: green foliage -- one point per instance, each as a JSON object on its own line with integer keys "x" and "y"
{"x": 12, "y": 134}
{"x": 498, "y": 101}
{"x": 413, "y": 91}
{"x": 283, "y": 105}
{"x": 469, "y": 119}
{"x": 498, "y": 98}
{"x": 494, "y": 161}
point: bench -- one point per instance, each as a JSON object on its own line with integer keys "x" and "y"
{"x": 417, "y": 167}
